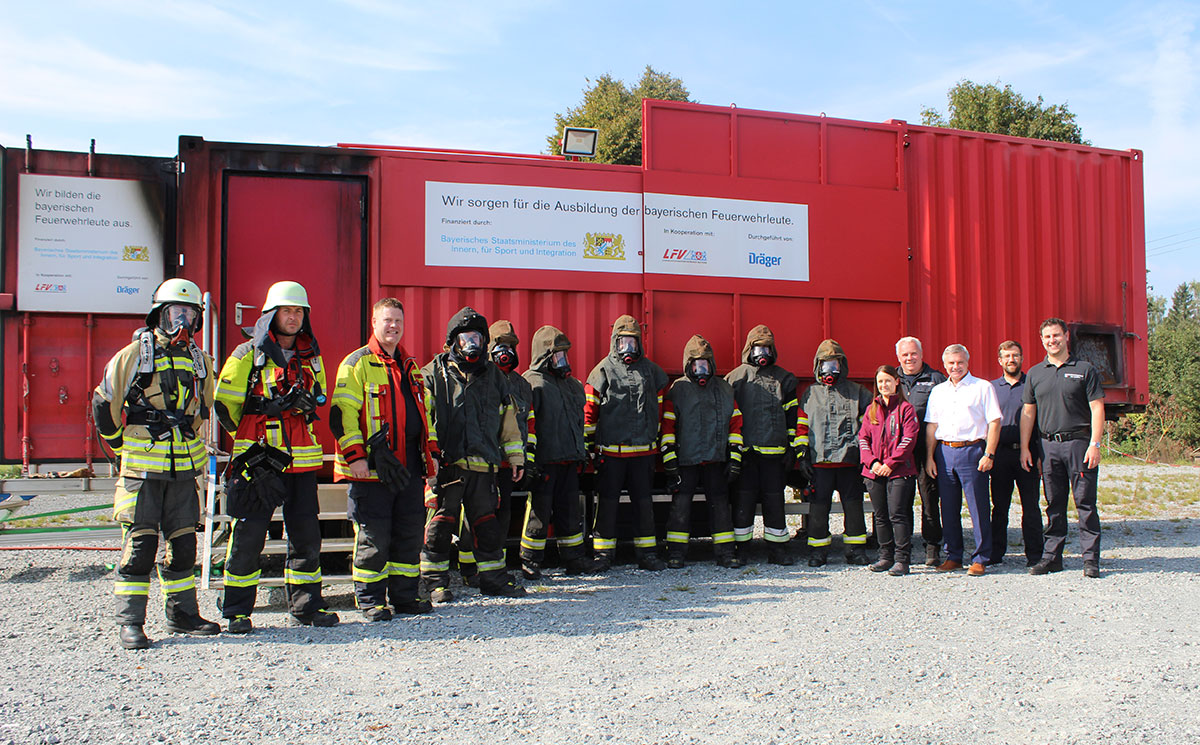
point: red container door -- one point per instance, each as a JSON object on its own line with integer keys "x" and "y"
{"x": 308, "y": 230}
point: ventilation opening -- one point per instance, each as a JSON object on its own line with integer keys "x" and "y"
{"x": 1100, "y": 346}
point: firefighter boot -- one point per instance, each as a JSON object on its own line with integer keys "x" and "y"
{"x": 241, "y": 625}
{"x": 578, "y": 565}
{"x": 132, "y": 637}
{"x": 191, "y": 623}
{"x": 651, "y": 563}
{"x": 857, "y": 556}
{"x": 502, "y": 585}
{"x": 817, "y": 556}
{"x": 729, "y": 559}
{"x": 675, "y": 556}
{"x": 778, "y": 554}
{"x": 414, "y": 607}
{"x": 377, "y": 613}
{"x": 531, "y": 569}
{"x": 322, "y": 618}
{"x": 602, "y": 563}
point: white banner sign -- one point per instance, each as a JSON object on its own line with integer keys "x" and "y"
{"x": 531, "y": 227}
{"x": 706, "y": 236}
{"x": 88, "y": 245}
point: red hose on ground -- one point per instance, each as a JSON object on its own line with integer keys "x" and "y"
{"x": 60, "y": 548}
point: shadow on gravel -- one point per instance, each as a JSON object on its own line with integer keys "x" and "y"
{"x": 1183, "y": 532}
{"x": 32, "y": 574}
{"x": 83, "y": 574}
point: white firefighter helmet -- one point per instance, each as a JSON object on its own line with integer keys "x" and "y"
{"x": 286, "y": 293}
{"x": 174, "y": 291}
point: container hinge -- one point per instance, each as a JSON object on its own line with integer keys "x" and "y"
{"x": 174, "y": 165}
{"x": 362, "y": 208}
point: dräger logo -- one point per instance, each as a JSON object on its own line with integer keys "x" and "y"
{"x": 764, "y": 259}
{"x": 127, "y": 290}
{"x": 45, "y": 287}
{"x": 686, "y": 255}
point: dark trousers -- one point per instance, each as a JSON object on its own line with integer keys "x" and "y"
{"x": 931, "y": 513}
{"x": 387, "y": 541}
{"x": 847, "y": 482}
{"x": 636, "y": 476}
{"x": 958, "y": 473}
{"x": 504, "y": 508}
{"x": 474, "y": 494}
{"x": 301, "y": 574}
{"x": 892, "y": 508}
{"x": 762, "y": 480}
{"x": 716, "y": 493}
{"x": 554, "y": 499}
{"x": 1005, "y": 473}
{"x": 1063, "y": 470}
{"x": 169, "y": 507}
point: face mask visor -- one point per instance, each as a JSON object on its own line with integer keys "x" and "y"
{"x": 629, "y": 349}
{"x": 700, "y": 371}
{"x": 175, "y": 319}
{"x": 469, "y": 345}
{"x": 761, "y": 356}
{"x": 829, "y": 372}
{"x": 505, "y": 357}
{"x": 559, "y": 364}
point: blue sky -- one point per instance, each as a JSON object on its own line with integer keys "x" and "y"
{"x": 136, "y": 74}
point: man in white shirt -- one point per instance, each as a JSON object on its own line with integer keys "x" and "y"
{"x": 961, "y": 433}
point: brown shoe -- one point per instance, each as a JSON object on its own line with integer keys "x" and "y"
{"x": 949, "y": 565}
{"x": 976, "y": 570}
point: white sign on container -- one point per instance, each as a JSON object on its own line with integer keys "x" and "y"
{"x": 492, "y": 226}
{"x": 88, "y": 245}
{"x": 711, "y": 237}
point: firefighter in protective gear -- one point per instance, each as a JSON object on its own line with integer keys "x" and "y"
{"x": 835, "y": 406}
{"x": 385, "y": 449}
{"x": 476, "y": 425}
{"x": 557, "y": 450}
{"x": 775, "y": 433}
{"x": 268, "y": 394}
{"x": 624, "y": 395}
{"x": 701, "y": 446}
{"x": 502, "y": 349}
{"x": 155, "y": 394}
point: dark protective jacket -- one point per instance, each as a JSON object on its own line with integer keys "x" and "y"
{"x": 259, "y": 371}
{"x": 834, "y": 411}
{"x": 557, "y": 402}
{"x": 502, "y": 332}
{"x": 918, "y": 386}
{"x": 701, "y": 424}
{"x": 366, "y": 395}
{"x": 624, "y": 402}
{"x": 766, "y": 396}
{"x": 152, "y": 419}
{"x": 473, "y": 413}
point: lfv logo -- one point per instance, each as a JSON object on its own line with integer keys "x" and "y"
{"x": 763, "y": 259}
{"x": 48, "y": 287}
{"x": 687, "y": 255}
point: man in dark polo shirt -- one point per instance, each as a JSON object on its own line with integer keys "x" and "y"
{"x": 917, "y": 379}
{"x": 1010, "y": 388}
{"x": 1064, "y": 397}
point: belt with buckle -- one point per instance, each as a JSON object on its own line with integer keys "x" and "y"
{"x": 1069, "y": 435}
{"x": 1011, "y": 445}
{"x": 964, "y": 444}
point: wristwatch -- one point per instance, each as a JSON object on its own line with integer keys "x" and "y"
{"x": 1094, "y": 444}
{"x": 990, "y": 456}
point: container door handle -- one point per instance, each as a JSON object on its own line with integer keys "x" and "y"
{"x": 237, "y": 311}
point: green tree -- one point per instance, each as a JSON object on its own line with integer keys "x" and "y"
{"x": 990, "y": 108}
{"x": 616, "y": 110}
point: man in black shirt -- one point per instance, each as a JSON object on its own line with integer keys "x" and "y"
{"x": 1010, "y": 388}
{"x": 918, "y": 379}
{"x": 1064, "y": 396}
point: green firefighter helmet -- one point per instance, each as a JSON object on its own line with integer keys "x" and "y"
{"x": 286, "y": 293}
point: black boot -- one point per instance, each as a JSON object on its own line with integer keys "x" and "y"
{"x": 675, "y": 558}
{"x": 503, "y": 586}
{"x": 577, "y": 566}
{"x": 531, "y": 570}
{"x": 650, "y": 562}
{"x": 729, "y": 560}
{"x": 778, "y": 554}
{"x": 191, "y": 623}
{"x": 857, "y": 556}
{"x": 132, "y": 637}
{"x": 817, "y": 557}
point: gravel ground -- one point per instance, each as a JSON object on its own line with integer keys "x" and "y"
{"x": 700, "y": 655}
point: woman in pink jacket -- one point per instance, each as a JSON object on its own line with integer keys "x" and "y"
{"x": 885, "y": 444}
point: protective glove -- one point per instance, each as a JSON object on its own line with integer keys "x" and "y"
{"x": 733, "y": 469}
{"x": 805, "y": 468}
{"x": 670, "y": 460}
{"x": 380, "y": 457}
{"x": 789, "y": 459}
{"x": 532, "y": 475}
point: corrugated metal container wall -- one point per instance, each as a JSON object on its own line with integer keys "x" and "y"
{"x": 48, "y": 376}
{"x": 1005, "y": 232}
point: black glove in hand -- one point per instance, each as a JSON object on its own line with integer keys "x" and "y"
{"x": 805, "y": 468}
{"x": 673, "y": 479}
{"x": 733, "y": 469}
{"x": 532, "y": 474}
{"x": 392, "y": 472}
{"x": 789, "y": 459}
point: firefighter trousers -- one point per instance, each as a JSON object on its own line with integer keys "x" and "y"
{"x": 474, "y": 494}
{"x": 170, "y": 507}
{"x": 504, "y": 509}
{"x": 711, "y": 476}
{"x": 302, "y": 573}
{"x": 634, "y": 474}
{"x": 848, "y": 483}
{"x": 554, "y": 500}
{"x": 387, "y": 542}
{"x": 762, "y": 480}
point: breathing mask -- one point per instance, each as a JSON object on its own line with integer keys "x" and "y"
{"x": 761, "y": 355}
{"x": 559, "y": 364}
{"x": 829, "y": 372}
{"x": 700, "y": 370}
{"x": 505, "y": 357}
{"x": 468, "y": 346}
{"x": 177, "y": 320}
{"x": 629, "y": 349}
